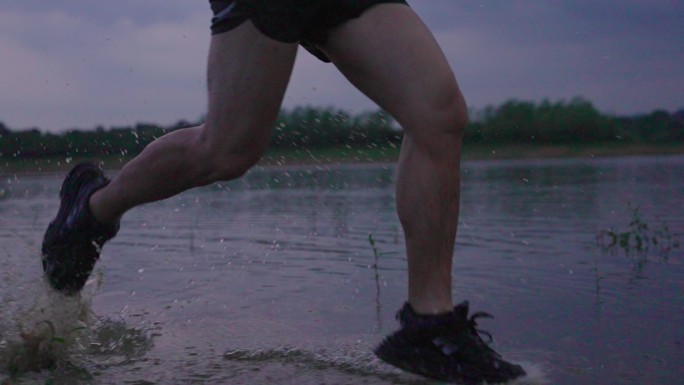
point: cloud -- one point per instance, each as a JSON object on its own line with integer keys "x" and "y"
{"x": 106, "y": 13}
{"x": 78, "y": 63}
{"x": 609, "y": 52}
{"x": 74, "y": 72}
{"x": 37, "y": 73}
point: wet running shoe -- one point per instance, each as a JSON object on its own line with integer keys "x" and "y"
{"x": 74, "y": 239}
{"x": 446, "y": 347}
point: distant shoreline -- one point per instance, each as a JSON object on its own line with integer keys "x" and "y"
{"x": 284, "y": 157}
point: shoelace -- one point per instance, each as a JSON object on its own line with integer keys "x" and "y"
{"x": 477, "y": 333}
{"x": 472, "y": 325}
{"x": 449, "y": 347}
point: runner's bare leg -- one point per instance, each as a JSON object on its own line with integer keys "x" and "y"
{"x": 247, "y": 77}
{"x": 391, "y": 56}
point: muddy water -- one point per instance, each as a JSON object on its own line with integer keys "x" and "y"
{"x": 270, "y": 279}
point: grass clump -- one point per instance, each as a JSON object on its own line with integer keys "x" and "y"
{"x": 639, "y": 238}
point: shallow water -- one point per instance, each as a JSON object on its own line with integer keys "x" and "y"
{"x": 270, "y": 279}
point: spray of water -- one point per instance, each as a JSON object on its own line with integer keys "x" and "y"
{"x": 39, "y": 327}
{"x": 359, "y": 363}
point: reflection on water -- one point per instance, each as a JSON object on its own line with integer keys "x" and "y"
{"x": 274, "y": 279}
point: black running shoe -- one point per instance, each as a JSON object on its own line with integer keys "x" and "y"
{"x": 74, "y": 239}
{"x": 446, "y": 347}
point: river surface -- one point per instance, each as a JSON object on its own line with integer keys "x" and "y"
{"x": 271, "y": 280}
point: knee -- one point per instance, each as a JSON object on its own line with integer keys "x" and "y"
{"x": 232, "y": 164}
{"x": 451, "y": 117}
{"x": 226, "y": 161}
{"x": 440, "y": 119}
{"x": 447, "y": 111}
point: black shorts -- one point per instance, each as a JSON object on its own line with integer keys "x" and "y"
{"x": 303, "y": 21}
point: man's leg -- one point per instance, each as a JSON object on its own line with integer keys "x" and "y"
{"x": 247, "y": 77}
{"x": 391, "y": 56}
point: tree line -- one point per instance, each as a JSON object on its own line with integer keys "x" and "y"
{"x": 563, "y": 122}
{"x": 573, "y": 122}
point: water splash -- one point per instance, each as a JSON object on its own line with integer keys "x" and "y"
{"x": 358, "y": 363}
{"x": 41, "y": 327}
{"x": 352, "y": 361}
{"x": 536, "y": 375}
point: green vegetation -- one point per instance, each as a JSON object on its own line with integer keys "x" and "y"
{"x": 573, "y": 122}
{"x": 326, "y": 134}
{"x": 300, "y": 128}
{"x": 639, "y": 238}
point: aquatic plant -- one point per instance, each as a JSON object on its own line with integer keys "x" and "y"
{"x": 38, "y": 349}
{"x": 41, "y": 329}
{"x": 376, "y": 256}
{"x": 639, "y": 237}
{"x": 377, "y": 253}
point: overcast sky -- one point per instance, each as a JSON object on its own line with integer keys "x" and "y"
{"x": 82, "y": 63}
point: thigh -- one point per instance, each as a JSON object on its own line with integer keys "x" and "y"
{"x": 247, "y": 75}
{"x": 390, "y": 55}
